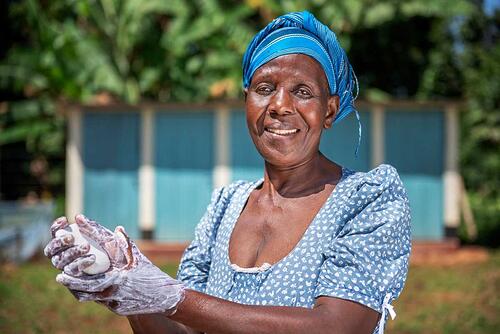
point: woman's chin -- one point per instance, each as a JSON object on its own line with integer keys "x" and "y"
{"x": 284, "y": 152}
{"x": 285, "y": 158}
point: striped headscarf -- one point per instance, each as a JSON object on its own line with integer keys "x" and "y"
{"x": 302, "y": 33}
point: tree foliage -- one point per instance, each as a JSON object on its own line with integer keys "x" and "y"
{"x": 167, "y": 50}
{"x": 480, "y": 140}
{"x": 94, "y": 51}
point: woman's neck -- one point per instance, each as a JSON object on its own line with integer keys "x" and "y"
{"x": 304, "y": 179}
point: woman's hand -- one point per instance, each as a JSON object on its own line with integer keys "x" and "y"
{"x": 132, "y": 285}
{"x": 74, "y": 258}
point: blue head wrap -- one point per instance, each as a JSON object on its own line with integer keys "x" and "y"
{"x": 302, "y": 33}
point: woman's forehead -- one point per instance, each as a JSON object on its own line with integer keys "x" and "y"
{"x": 298, "y": 65}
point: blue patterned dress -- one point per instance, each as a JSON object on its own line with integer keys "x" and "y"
{"x": 356, "y": 248}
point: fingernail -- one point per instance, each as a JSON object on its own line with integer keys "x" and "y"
{"x": 120, "y": 231}
{"x": 60, "y": 219}
{"x": 60, "y": 278}
{"x": 85, "y": 247}
{"x": 68, "y": 239}
{"x": 80, "y": 218}
{"x": 55, "y": 259}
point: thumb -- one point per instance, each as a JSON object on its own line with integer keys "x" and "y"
{"x": 125, "y": 245}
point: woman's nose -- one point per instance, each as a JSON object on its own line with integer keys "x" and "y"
{"x": 281, "y": 103}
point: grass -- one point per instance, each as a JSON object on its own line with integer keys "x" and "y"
{"x": 459, "y": 299}
{"x": 31, "y": 301}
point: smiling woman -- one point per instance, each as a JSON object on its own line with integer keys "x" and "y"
{"x": 287, "y": 107}
{"x": 312, "y": 246}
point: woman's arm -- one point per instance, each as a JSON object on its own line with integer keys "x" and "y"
{"x": 330, "y": 315}
{"x": 157, "y": 324}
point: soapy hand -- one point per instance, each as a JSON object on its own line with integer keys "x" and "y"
{"x": 132, "y": 285}
{"x": 70, "y": 249}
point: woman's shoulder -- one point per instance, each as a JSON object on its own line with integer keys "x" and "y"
{"x": 378, "y": 189}
{"x": 381, "y": 178}
{"x": 373, "y": 203}
{"x": 232, "y": 191}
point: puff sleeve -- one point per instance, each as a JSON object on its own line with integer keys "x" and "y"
{"x": 195, "y": 263}
{"x": 367, "y": 260}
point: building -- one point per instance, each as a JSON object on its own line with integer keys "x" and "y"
{"x": 152, "y": 167}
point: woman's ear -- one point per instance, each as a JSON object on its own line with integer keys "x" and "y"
{"x": 245, "y": 93}
{"x": 332, "y": 109}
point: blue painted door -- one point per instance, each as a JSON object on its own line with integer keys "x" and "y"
{"x": 111, "y": 162}
{"x": 414, "y": 144}
{"x": 184, "y": 145}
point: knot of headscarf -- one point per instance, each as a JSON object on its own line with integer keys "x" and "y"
{"x": 302, "y": 33}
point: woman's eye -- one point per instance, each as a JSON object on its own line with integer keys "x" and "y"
{"x": 264, "y": 90}
{"x": 303, "y": 92}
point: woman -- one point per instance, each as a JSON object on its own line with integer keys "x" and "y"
{"x": 312, "y": 247}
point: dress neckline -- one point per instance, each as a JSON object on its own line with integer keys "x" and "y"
{"x": 267, "y": 266}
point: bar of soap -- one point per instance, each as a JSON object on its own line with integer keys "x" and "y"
{"x": 101, "y": 263}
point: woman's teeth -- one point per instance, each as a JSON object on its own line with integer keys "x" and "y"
{"x": 283, "y": 132}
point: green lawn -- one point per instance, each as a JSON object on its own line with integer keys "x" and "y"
{"x": 460, "y": 299}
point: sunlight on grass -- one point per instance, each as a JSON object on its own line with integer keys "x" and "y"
{"x": 460, "y": 299}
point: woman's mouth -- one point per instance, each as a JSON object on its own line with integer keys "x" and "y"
{"x": 282, "y": 132}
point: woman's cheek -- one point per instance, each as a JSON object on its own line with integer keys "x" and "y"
{"x": 256, "y": 101}
{"x": 312, "y": 112}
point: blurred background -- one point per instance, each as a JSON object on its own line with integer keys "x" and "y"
{"x": 131, "y": 112}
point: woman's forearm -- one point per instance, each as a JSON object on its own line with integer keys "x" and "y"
{"x": 157, "y": 324}
{"x": 214, "y": 315}
{"x": 199, "y": 312}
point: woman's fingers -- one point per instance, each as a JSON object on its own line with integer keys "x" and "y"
{"x": 88, "y": 283}
{"x": 65, "y": 257}
{"x": 104, "y": 297}
{"x": 93, "y": 230}
{"x": 58, "y": 224}
{"x": 76, "y": 267}
{"x": 84, "y": 296}
{"x": 59, "y": 244}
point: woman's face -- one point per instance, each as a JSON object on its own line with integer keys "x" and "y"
{"x": 288, "y": 104}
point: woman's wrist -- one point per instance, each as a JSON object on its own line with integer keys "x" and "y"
{"x": 182, "y": 295}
